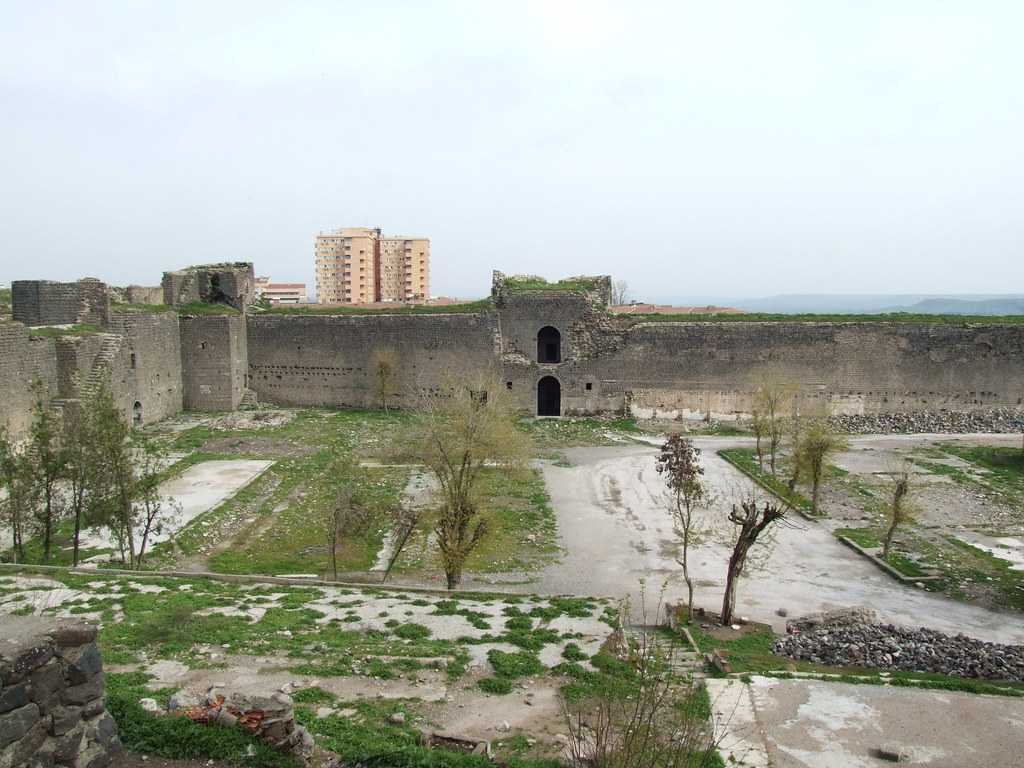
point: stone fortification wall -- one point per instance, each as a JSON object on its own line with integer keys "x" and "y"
{"x": 45, "y": 302}
{"x": 329, "y": 359}
{"x": 687, "y": 368}
{"x": 76, "y": 356}
{"x": 23, "y": 360}
{"x": 145, "y": 367}
{"x": 231, "y": 283}
{"x": 51, "y": 696}
{"x": 137, "y": 294}
{"x": 214, "y": 361}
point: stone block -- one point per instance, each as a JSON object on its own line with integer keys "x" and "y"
{"x": 13, "y": 696}
{"x": 63, "y": 719}
{"x": 73, "y": 634}
{"x": 67, "y": 746}
{"x": 92, "y": 708}
{"x": 83, "y": 663}
{"x": 26, "y": 660}
{"x": 46, "y": 684}
{"x": 18, "y": 722}
{"x": 30, "y": 742}
{"x": 84, "y": 693}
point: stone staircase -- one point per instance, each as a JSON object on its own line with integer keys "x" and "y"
{"x": 684, "y": 661}
{"x": 109, "y": 349}
{"x": 249, "y": 399}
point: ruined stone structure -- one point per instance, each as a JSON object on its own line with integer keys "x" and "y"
{"x": 556, "y": 348}
{"x": 51, "y": 696}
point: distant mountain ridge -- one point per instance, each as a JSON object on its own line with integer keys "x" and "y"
{"x": 936, "y": 304}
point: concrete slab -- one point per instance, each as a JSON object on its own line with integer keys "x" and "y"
{"x": 616, "y": 530}
{"x": 813, "y": 724}
{"x": 198, "y": 489}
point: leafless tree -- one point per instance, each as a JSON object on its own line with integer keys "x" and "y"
{"x": 620, "y": 293}
{"x": 457, "y": 432}
{"x": 384, "y": 365}
{"x": 656, "y": 717}
{"x": 679, "y": 463}
{"x": 15, "y": 506}
{"x": 770, "y": 416}
{"x": 750, "y": 521}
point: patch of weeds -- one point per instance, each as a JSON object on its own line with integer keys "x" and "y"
{"x": 513, "y": 665}
{"x": 313, "y": 695}
{"x": 412, "y": 631}
{"x": 745, "y": 460}
{"x": 519, "y": 623}
{"x": 573, "y": 652}
{"x": 495, "y": 685}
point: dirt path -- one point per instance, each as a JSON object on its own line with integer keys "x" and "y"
{"x": 613, "y": 524}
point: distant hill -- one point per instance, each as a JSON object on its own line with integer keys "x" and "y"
{"x": 963, "y": 304}
{"x": 1007, "y": 306}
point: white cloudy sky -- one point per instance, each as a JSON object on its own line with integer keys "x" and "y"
{"x": 693, "y": 148}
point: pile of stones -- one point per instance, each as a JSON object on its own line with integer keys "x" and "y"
{"x": 854, "y": 642}
{"x": 992, "y": 420}
{"x": 51, "y": 696}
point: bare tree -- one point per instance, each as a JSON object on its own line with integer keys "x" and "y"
{"x": 817, "y": 442}
{"x": 384, "y": 364}
{"x": 679, "y": 462}
{"x": 82, "y": 457}
{"x": 341, "y": 513}
{"x": 758, "y": 425}
{"x": 620, "y": 293}
{"x": 898, "y": 511}
{"x": 751, "y": 522}
{"x": 152, "y": 512}
{"x": 650, "y": 716}
{"x": 457, "y": 433}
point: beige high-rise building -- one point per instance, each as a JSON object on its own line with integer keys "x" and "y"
{"x": 358, "y": 265}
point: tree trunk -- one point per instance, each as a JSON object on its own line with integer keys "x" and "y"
{"x": 78, "y": 533}
{"x": 729, "y": 600}
{"x": 453, "y": 576}
{"x": 814, "y": 494}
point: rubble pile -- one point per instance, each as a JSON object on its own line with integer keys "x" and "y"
{"x": 886, "y": 646}
{"x": 990, "y": 420}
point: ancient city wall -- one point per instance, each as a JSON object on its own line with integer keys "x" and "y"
{"x": 329, "y": 359}
{"x": 51, "y": 696}
{"x": 45, "y": 302}
{"x": 23, "y": 360}
{"x": 146, "y": 367}
{"x": 214, "y": 362}
{"x": 685, "y": 368}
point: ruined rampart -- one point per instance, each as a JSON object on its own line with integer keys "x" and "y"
{"x": 23, "y": 360}
{"x": 331, "y": 359}
{"x": 214, "y": 361}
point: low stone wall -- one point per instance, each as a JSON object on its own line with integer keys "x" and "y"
{"x": 51, "y": 696}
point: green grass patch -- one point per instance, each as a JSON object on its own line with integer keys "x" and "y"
{"x": 535, "y": 283}
{"x": 513, "y": 665}
{"x": 206, "y": 308}
{"x": 496, "y": 685}
{"x": 745, "y": 460}
{"x": 412, "y": 631}
{"x": 470, "y": 307}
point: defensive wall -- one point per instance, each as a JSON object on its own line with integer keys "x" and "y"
{"x": 556, "y": 348}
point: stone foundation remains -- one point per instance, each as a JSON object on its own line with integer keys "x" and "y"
{"x": 51, "y": 696}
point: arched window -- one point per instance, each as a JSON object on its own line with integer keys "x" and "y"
{"x": 137, "y": 414}
{"x": 549, "y": 397}
{"x": 549, "y": 345}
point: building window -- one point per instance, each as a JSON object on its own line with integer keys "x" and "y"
{"x": 589, "y": 386}
{"x": 508, "y": 385}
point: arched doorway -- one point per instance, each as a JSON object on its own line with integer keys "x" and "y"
{"x": 549, "y": 397}
{"x": 549, "y": 345}
{"x": 137, "y": 414}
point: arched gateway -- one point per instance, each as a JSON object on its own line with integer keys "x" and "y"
{"x": 549, "y": 397}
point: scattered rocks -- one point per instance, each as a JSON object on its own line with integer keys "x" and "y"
{"x": 886, "y": 646}
{"x": 398, "y": 718}
{"x": 993, "y": 420}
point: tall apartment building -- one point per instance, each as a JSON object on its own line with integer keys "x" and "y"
{"x": 359, "y": 265}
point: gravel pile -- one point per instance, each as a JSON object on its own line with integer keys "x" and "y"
{"x": 885, "y": 646}
{"x": 995, "y": 420}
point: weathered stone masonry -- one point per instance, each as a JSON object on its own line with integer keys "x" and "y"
{"x": 52, "y": 709}
{"x": 159, "y": 363}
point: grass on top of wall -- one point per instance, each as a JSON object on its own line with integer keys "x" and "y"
{"x": 534, "y": 283}
{"x": 482, "y": 305}
{"x": 768, "y": 317}
{"x": 53, "y": 332}
{"x": 127, "y": 307}
{"x": 205, "y": 308}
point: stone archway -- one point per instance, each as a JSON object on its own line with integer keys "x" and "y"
{"x": 137, "y": 414}
{"x": 549, "y": 397}
{"x": 549, "y": 345}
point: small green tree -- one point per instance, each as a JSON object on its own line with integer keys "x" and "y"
{"x": 16, "y": 505}
{"x": 898, "y": 512}
{"x": 47, "y": 463}
{"x": 770, "y": 417}
{"x": 82, "y": 461}
{"x": 817, "y": 442}
{"x": 340, "y": 512}
{"x": 458, "y": 432}
{"x": 113, "y": 491}
{"x": 151, "y": 512}
{"x": 679, "y": 462}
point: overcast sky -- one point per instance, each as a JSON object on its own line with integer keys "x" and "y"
{"x": 691, "y": 148}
